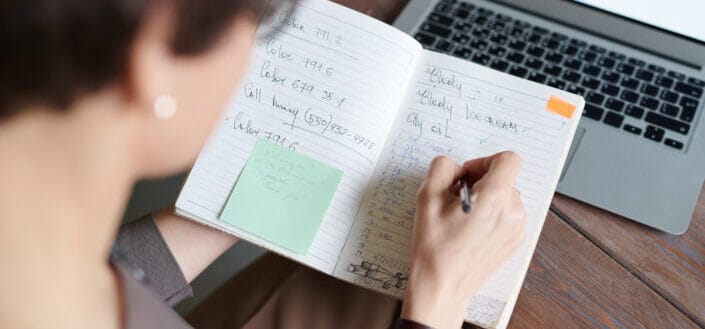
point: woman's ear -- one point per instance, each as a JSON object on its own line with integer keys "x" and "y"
{"x": 150, "y": 66}
{"x": 175, "y": 100}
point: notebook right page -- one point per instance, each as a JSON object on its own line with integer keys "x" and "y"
{"x": 462, "y": 110}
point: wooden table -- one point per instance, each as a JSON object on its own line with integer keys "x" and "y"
{"x": 593, "y": 269}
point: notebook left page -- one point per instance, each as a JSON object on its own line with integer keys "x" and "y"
{"x": 327, "y": 85}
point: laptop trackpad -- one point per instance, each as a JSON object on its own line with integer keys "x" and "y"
{"x": 573, "y": 147}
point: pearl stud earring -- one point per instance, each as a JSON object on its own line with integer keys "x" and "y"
{"x": 165, "y": 107}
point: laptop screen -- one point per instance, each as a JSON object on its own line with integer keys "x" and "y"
{"x": 684, "y": 17}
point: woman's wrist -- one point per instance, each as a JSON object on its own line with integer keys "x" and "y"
{"x": 194, "y": 246}
{"x": 435, "y": 313}
{"x": 429, "y": 302}
{"x": 402, "y": 323}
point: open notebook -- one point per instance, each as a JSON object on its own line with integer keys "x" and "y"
{"x": 363, "y": 97}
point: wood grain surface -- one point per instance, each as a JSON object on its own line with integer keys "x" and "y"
{"x": 573, "y": 284}
{"x": 671, "y": 265}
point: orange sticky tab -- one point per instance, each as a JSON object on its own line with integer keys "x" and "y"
{"x": 560, "y": 107}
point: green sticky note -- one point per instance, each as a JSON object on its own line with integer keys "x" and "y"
{"x": 281, "y": 196}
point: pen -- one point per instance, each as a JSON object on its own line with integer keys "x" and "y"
{"x": 465, "y": 195}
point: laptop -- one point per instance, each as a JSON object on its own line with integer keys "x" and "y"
{"x": 640, "y": 148}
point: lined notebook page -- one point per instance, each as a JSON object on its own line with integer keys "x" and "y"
{"x": 328, "y": 86}
{"x": 465, "y": 111}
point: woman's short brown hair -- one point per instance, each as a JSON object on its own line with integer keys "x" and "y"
{"x": 53, "y": 51}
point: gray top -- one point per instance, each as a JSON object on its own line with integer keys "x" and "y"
{"x": 150, "y": 277}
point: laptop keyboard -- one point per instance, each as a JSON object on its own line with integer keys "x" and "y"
{"x": 615, "y": 86}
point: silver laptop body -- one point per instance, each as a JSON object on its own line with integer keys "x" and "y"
{"x": 610, "y": 166}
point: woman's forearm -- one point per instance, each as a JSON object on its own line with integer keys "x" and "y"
{"x": 194, "y": 246}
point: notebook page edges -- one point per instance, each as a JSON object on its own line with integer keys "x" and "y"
{"x": 462, "y": 110}
{"x": 328, "y": 85}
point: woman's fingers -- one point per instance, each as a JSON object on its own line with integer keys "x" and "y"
{"x": 501, "y": 168}
{"x": 442, "y": 173}
{"x": 476, "y": 168}
{"x": 497, "y": 176}
{"x": 504, "y": 169}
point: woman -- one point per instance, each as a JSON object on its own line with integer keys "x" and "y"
{"x": 97, "y": 94}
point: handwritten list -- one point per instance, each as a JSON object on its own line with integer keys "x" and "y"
{"x": 314, "y": 88}
{"x": 462, "y": 113}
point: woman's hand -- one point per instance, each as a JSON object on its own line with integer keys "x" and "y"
{"x": 454, "y": 253}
